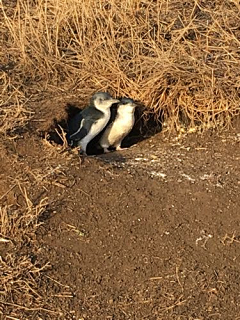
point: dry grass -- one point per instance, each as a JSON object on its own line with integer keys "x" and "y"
{"x": 181, "y": 58}
{"x": 26, "y": 292}
{"x": 20, "y": 275}
{"x": 13, "y": 114}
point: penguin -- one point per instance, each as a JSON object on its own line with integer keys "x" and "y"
{"x": 91, "y": 120}
{"x": 123, "y": 123}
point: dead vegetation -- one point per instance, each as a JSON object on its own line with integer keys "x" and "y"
{"x": 20, "y": 275}
{"x": 179, "y": 58}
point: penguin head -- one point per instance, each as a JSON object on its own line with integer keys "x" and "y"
{"x": 126, "y": 105}
{"x": 102, "y": 100}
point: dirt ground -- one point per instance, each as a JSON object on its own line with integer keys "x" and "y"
{"x": 151, "y": 232}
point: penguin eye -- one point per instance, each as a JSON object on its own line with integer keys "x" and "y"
{"x": 100, "y": 100}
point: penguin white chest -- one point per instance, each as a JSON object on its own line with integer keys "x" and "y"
{"x": 117, "y": 131}
{"x": 99, "y": 124}
{"x": 121, "y": 128}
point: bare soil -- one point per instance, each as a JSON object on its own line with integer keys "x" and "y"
{"x": 151, "y": 232}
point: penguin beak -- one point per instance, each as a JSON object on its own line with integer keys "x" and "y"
{"x": 115, "y": 100}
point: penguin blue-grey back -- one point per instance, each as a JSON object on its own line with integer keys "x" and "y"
{"x": 91, "y": 120}
{"x": 120, "y": 127}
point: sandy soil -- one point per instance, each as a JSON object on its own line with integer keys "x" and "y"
{"x": 151, "y": 232}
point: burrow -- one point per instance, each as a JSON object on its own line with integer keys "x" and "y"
{"x": 146, "y": 125}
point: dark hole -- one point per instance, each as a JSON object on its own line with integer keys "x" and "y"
{"x": 53, "y": 135}
{"x": 144, "y": 127}
{"x": 72, "y": 111}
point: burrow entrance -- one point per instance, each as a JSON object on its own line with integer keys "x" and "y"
{"x": 146, "y": 125}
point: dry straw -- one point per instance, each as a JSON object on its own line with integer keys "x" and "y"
{"x": 181, "y": 58}
{"x": 19, "y": 275}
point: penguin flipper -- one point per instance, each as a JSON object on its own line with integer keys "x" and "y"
{"x": 75, "y": 123}
{"x": 82, "y": 131}
{"x": 83, "y": 122}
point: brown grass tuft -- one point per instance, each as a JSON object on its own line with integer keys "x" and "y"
{"x": 20, "y": 274}
{"x": 13, "y": 114}
{"x": 181, "y": 58}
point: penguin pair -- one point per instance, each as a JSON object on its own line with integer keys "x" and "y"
{"x": 112, "y": 124}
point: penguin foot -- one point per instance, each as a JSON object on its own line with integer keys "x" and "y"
{"x": 133, "y": 146}
{"x": 118, "y": 148}
{"x": 82, "y": 153}
{"x": 105, "y": 150}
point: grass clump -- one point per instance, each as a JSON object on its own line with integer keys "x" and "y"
{"x": 20, "y": 275}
